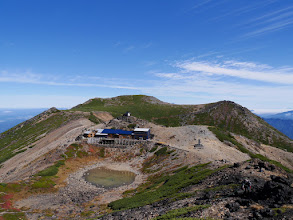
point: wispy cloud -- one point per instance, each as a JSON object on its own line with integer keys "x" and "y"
{"x": 248, "y": 83}
{"x": 43, "y": 101}
{"x": 206, "y": 4}
{"x": 39, "y": 79}
{"x": 252, "y": 84}
{"x": 129, "y": 48}
{"x": 264, "y": 17}
{"x": 147, "y": 45}
{"x": 236, "y": 69}
{"x": 269, "y": 22}
{"x": 247, "y": 8}
{"x": 6, "y": 112}
{"x": 200, "y": 4}
{"x": 268, "y": 17}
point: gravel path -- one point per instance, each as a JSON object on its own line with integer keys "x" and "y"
{"x": 187, "y": 136}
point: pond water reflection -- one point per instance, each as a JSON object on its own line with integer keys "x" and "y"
{"x": 107, "y": 178}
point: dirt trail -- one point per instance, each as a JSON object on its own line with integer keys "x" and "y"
{"x": 28, "y": 162}
{"x": 104, "y": 116}
{"x": 186, "y": 137}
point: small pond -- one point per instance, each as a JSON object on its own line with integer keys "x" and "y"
{"x": 107, "y": 178}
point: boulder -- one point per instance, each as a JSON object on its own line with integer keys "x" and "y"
{"x": 280, "y": 179}
{"x": 233, "y": 207}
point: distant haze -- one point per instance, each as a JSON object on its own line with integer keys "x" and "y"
{"x": 11, "y": 117}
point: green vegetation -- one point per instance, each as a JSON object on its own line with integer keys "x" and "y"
{"x": 224, "y": 115}
{"x": 10, "y": 187}
{"x": 131, "y": 126}
{"x": 3, "y": 184}
{"x": 181, "y": 169}
{"x": 162, "y": 151}
{"x": 190, "y": 218}
{"x": 222, "y": 187}
{"x": 182, "y": 211}
{"x": 281, "y": 210}
{"x": 226, "y": 136}
{"x": 228, "y": 116}
{"x": 180, "y": 196}
{"x": 154, "y": 148}
{"x": 223, "y": 135}
{"x": 75, "y": 150}
{"x": 16, "y": 139}
{"x": 93, "y": 118}
{"x": 168, "y": 115}
{"x": 52, "y": 170}
{"x": 276, "y": 163}
{"x": 14, "y": 216}
{"x": 43, "y": 183}
{"x": 159, "y": 156}
{"x": 162, "y": 187}
{"x": 102, "y": 152}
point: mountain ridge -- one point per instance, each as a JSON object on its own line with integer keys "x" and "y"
{"x": 288, "y": 115}
{"x": 225, "y": 114}
{"x": 44, "y": 160}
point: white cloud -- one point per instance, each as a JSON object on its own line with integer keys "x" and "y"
{"x": 147, "y": 45}
{"x": 270, "y": 22}
{"x": 128, "y": 49}
{"x": 243, "y": 70}
{"x": 172, "y": 75}
{"x": 7, "y": 112}
{"x": 270, "y": 28}
{"x": 269, "y": 111}
{"x": 41, "y": 101}
{"x": 254, "y": 85}
{"x": 38, "y": 79}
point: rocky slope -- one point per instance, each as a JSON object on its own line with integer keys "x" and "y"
{"x": 43, "y": 163}
{"x": 220, "y": 196}
{"x": 224, "y": 114}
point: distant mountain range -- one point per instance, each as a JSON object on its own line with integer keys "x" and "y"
{"x": 285, "y": 126}
{"x": 281, "y": 121}
{"x": 284, "y": 115}
{"x": 44, "y": 150}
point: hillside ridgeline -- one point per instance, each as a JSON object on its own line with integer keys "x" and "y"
{"x": 225, "y": 115}
{"x": 174, "y": 178}
{"x": 22, "y": 137}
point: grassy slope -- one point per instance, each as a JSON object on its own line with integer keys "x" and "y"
{"x": 17, "y": 139}
{"x": 168, "y": 115}
{"x": 226, "y": 136}
{"x": 239, "y": 120}
{"x": 225, "y": 115}
{"x": 166, "y": 186}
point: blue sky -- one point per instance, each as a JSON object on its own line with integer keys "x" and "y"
{"x": 63, "y": 52}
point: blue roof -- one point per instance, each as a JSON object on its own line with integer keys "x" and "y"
{"x": 116, "y": 131}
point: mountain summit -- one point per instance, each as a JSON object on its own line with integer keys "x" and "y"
{"x": 226, "y": 115}
{"x": 178, "y": 160}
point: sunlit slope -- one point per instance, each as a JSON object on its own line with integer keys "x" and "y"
{"x": 140, "y": 106}
{"x": 225, "y": 115}
{"x": 22, "y": 136}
